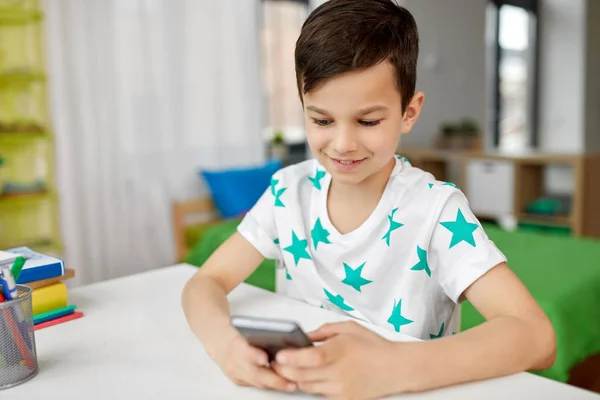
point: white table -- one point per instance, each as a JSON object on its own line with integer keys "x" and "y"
{"x": 134, "y": 343}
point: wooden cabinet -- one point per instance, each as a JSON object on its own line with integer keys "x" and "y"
{"x": 499, "y": 184}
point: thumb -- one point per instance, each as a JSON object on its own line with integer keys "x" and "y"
{"x": 331, "y": 330}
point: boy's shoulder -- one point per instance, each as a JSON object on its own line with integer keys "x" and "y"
{"x": 420, "y": 188}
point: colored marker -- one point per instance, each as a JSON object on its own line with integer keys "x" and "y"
{"x": 9, "y": 287}
{"x": 17, "y": 267}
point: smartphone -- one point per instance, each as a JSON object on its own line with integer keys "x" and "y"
{"x": 271, "y": 335}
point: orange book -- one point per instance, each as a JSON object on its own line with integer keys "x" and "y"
{"x": 69, "y": 273}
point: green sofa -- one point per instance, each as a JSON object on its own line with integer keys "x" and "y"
{"x": 562, "y": 273}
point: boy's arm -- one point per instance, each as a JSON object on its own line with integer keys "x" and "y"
{"x": 204, "y": 297}
{"x": 355, "y": 361}
{"x": 206, "y": 308}
{"x": 516, "y": 337}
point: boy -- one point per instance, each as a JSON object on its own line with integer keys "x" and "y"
{"x": 362, "y": 232}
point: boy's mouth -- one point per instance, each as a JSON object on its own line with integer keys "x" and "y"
{"x": 346, "y": 165}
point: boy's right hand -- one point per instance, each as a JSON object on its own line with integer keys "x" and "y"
{"x": 248, "y": 366}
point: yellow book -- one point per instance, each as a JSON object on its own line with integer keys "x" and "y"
{"x": 49, "y": 298}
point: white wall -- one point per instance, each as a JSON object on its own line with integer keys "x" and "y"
{"x": 451, "y": 69}
{"x": 562, "y": 75}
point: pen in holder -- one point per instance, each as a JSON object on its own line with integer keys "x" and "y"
{"x": 18, "y": 358}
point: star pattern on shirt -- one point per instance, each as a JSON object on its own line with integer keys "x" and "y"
{"x": 354, "y": 277}
{"x": 278, "y": 202}
{"x": 316, "y": 180}
{"x": 430, "y": 185}
{"x": 440, "y": 333}
{"x": 319, "y": 234}
{"x": 338, "y": 301}
{"x": 462, "y": 230}
{"x": 276, "y": 240}
{"x": 273, "y": 185}
{"x": 393, "y": 226}
{"x": 422, "y": 265}
{"x": 287, "y": 275}
{"x": 450, "y": 184}
{"x": 402, "y": 158}
{"x": 396, "y": 319}
{"x": 277, "y": 192}
{"x": 298, "y": 249}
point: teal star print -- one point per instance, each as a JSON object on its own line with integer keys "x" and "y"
{"x": 403, "y": 159}
{"x": 462, "y": 231}
{"x": 287, "y": 275}
{"x": 276, "y": 241}
{"x": 422, "y": 265}
{"x": 393, "y": 226}
{"x": 278, "y": 202}
{"x": 274, "y": 183}
{"x": 396, "y": 319}
{"x": 338, "y": 301}
{"x": 298, "y": 249}
{"x": 319, "y": 234}
{"x": 354, "y": 278}
{"x": 316, "y": 181}
{"x": 450, "y": 184}
{"x": 430, "y": 185}
{"x": 440, "y": 333}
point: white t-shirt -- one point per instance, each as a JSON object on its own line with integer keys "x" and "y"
{"x": 404, "y": 268}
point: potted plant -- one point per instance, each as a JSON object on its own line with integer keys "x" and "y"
{"x": 279, "y": 148}
{"x": 464, "y": 135}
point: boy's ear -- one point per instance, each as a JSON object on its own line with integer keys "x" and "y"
{"x": 412, "y": 111}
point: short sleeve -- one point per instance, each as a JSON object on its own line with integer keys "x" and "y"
{"x": 459, "y": 251}
{"x": 258, "y": 226}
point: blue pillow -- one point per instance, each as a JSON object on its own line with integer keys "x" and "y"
{"x": 235, "y": 191}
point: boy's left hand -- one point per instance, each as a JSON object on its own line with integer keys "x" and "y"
{"x": 352, "y": 363}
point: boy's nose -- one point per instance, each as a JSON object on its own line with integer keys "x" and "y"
{"x": 344, "y": 141}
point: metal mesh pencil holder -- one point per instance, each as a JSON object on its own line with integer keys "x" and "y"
{"x": 18, "y": 358}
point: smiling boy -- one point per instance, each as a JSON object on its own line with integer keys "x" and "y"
{"x": 362, "y": 232}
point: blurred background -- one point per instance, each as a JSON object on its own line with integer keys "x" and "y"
{"x": 111, "y": 113}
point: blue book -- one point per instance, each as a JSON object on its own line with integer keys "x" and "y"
{"x": 38, "y": 266}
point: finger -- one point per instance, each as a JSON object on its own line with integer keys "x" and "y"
{"x": 328, "y": 331}
{"x": 307, "y": 357}
{"x": 269, "y": 379}
{"x": 254, "y": 355}
{"x": 301, "y": 375}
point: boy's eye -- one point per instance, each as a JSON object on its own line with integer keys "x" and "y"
{"x": 369, "y": 123}
{"x": 322, "y": 122}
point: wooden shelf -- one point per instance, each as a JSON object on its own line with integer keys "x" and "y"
{"x": 25, "y": 198}
{"x": 529, "y": 180}
{"x": 10, "y": 16}
{"x": 551, "y": 220}
{"x": 7, "y": 78}
{"x": 13, "y": 137}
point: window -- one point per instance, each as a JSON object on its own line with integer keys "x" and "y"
{"x": 282, "y": 22}
{"x": 515, "y": 73}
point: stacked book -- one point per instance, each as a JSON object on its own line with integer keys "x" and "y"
{"x": 46, "y": 275}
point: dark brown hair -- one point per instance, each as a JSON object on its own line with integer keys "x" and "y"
{"x": 346, "y": 35}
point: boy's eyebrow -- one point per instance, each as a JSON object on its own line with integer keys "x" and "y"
{"x": 364, "y": 111}
{"x": 316, "y": 109}
{"x": 369, "y": 110}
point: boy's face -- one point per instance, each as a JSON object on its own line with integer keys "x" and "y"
{"x": 354, "y": 122}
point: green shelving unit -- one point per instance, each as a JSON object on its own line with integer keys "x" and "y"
{"x": 28, "y": 196}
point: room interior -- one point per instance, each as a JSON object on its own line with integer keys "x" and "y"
{"x": 125, "y": 148}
